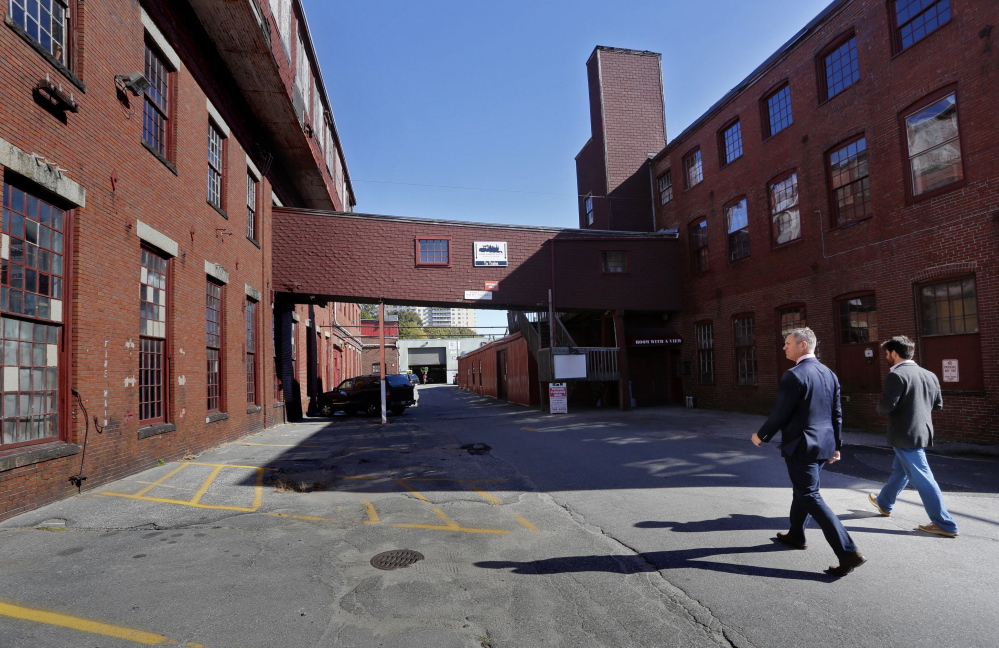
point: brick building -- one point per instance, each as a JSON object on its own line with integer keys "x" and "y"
{"x": 847, "y": 184}
{"x": 142, "y": 146}
{"x": 371, "y": 356}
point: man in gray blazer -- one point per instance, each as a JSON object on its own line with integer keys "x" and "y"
{"x": 910, "y": 395}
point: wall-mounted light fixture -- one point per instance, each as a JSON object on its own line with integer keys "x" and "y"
{"x": 136, "y": 83}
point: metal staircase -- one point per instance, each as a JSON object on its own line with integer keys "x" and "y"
{"x": 601, "y": 362}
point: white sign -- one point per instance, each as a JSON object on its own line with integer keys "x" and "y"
{"x": 950, "y": 371}
{"x": 868, "y": 353}
{"x": 570, "y": 366}
{"x": 558, "y": 398}
{"x": 478, "y": 294}
{"x": 490, "y": 254}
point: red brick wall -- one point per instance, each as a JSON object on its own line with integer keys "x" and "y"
{"x": 522, "y": 371}
{"x": 903, "y": 243}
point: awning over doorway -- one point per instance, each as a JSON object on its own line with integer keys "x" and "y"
{"x": 657, "y": 336}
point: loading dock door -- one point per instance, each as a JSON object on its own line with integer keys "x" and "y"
{"x": 428, "y": 356}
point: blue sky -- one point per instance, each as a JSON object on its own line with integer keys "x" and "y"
{"x": 476, "y": 110}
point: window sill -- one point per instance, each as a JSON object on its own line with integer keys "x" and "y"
{"x": 153, "y": 430}
{"x": 254, "y": 241}
{"x": 63, "y": 70}
{"x": 844, "y": 226}
{"x": 933, "y": 193}
{"x": 276, "y": 405}
{"x": 217, "y": 416}
{"x": 159, "y": 156}
{"x": 218, "y": 209}
{"x": 916, "y": 44}
{"x": 254, "y": 410}
{"x": 791, "y": 243}
{"x": 37, "y": 454}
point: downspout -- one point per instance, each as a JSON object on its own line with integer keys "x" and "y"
{"x": 652, "y": 191}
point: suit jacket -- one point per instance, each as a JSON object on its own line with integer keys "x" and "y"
{"x": 910, "y": 395}
{"x": 807, "y": 413}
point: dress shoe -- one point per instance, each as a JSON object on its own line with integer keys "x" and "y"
{"x": 874, "y": 501}
{"x": 936, "y": 530}
{"x": 847, "y": 564}
{"x": 785, "y": 539}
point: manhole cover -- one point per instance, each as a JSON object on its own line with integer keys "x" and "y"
{"x": 396, "y": 558}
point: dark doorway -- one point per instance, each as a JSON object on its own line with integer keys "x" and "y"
{"x": 501, "y": 375}
{"x": 653, "y": 380}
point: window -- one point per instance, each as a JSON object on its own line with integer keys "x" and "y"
{"x": 737, "y": 223}
{"x": 730, "y": 143}
{"x": 251, "y": 207}
{"x": 778, "y": 111}
{"x": 784, "y": 215}
{"x": 916, "y": 19}
{"x": 840, "y": 68}
{"x": 278, "y": 387}
{"x": 46, "y": 22}
{"x": 213, "y": 329}
{"x": 949, "y": 307}
{"x": 31, "y": 324}
{"x": 153, "y": 305}
{"x": 745, "y": 350}
{"x": 705, "y": 334}
{"x": 934, "y": 146}
{"x": 665, "y": 183}
{"x": 433, "y": 252}
{"x": 156, "y": 104}
{"x": 589, "y": 210}
{"x": 692, "y": 169}
{"x": 851, "y": 188}
{"x": 699, "y": 245}
{"x": 216, "y": 164}
{"x": 614, "y": 261}
{"x": 858, "y": 320}
{"x": 251, "y": 352}
{"x": 789, "y": 318}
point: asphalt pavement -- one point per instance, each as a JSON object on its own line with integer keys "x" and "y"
{"x": 595, "y": 528}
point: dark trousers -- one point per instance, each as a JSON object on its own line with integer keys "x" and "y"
{"x": 808, "y": 504}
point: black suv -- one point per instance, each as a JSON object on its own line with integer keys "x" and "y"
{"x": 363, "y": 393}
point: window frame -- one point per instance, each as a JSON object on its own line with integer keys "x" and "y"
{"x": 625, "y": 268}
{"x": 432, "y": 264}
{"x": 937, "y": 281}
{"x": 665, "y": 192}
{"x": 821, "y": 69}
{"x": 218, "y": 398}
{"x": 69, "y": 66}
{"x": 165, "y": 340}
{"x": 166, "y": 152}
{"x": 252, "y": 342}
{"x": 729, "y": 234}
{"x": 913, "y": 108}
{"x": 220, "y": 170}
{"x": 736, "y": 347}
{"x": 694, "y": 157}
{"x": 723, "y": 159}
{"x": 896, "y": 36}
{"x": 841, "y": 329}
{"x": 834, "y": 220}
{"x": 765, "y": 123}
{"x": 771, "y": 206}
{"x": 705, "y": 353}
{"x": 253, "y": 204}
{"x": 696, "y": 254}
{"x": 588, "y": 208}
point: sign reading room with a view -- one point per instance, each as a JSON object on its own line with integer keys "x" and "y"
{"x": 490, "y": 254}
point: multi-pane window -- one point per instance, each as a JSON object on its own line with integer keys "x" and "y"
{"x": 934, "y": 146}
{"x": 251, "y": 207}
{"x": 614, "y": 261}
{"x": 156, "y": 104}
{"x": 745, "y": 350}
{"x": 46, "y": 22}
{"x": 737, "y": 223}
{"x": 153, "y": 306}
{"x": 433, "y": 251}
{"x": 778, "y": 109}
{"x": 216, "y": 161}
{"x": 731, "y": 143}
{"x": 841, "y": 68}
{"x": 33, "y": 263}
{"x": 949, "y": 307}
{"x": 790, "y": 318}
{"x": 784, "y": 214}
{"x": 665, "y": 184}
{"x": 693, "y": 171}
{"x": 858, "y": 320}
{"x": 699, "y": 245}
{"x": 213, "y": 329}
{"x": 588, "y": 203}
{"x": 851, "y": 187}
{"x": 915, "y": 19}
{"x": 705, "y": 334}
{"x": 251, "y": 352}
{"x": 30, "y": 378}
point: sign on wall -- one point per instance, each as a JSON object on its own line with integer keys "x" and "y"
{"x": 558, "y": 398}
{"x": 478, "y": 294}
{"x": 490, "y": 254}
{"x": 950, "y": 371}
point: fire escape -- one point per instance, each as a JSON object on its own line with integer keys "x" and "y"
{"x": 538, "y": 330}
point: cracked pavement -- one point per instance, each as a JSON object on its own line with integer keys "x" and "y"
{"x": 597, "y": 528}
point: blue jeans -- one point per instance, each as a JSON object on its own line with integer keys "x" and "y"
{"x": 807, "y": 504}
{"x": 910, "y": 466}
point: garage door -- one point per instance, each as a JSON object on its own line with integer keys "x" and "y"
{"x": 427, "y": 356}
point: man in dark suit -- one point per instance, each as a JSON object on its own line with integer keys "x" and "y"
{"x": 810, "y": 419}
{"x": 911, "y": 394}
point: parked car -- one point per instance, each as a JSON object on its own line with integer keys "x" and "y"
{"x": 413, "y": 380}
{"x": 363, "y": 393}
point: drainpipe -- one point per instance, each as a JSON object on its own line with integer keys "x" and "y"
{"x": 652, "y": 190}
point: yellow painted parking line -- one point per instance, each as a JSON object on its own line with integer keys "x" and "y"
{"x": 449, "y": 525}
{"x": 486, "y": 495}
{"x": 372, "y": 513}
{"x": 416, "y": 493}
{"x": 195, "y": 502}
{"x": 86, "y": 625}
{"x": 526, "y": 524}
